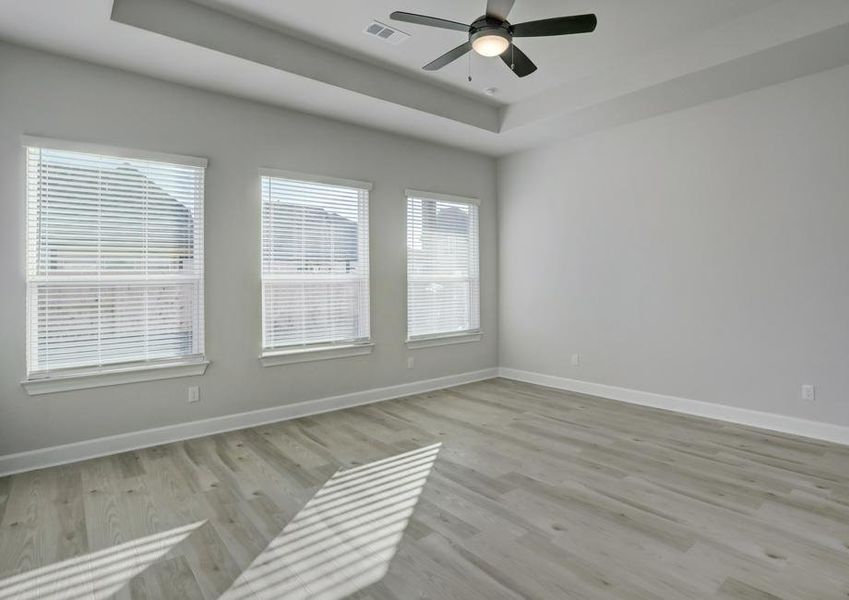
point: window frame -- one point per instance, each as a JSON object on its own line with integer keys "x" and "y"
{"x": 85, "y": 377}
{"x": 286, "y": 355}
{"x": 451, "y": 337}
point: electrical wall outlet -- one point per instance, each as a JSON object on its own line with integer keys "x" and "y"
{"x": 194, "y": 394}
{"x": 411, "y": 362}
{"x": 808, "y": 393}
{"x": 576, "y": 360}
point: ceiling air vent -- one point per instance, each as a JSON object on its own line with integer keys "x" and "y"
{"x": 386, "y": 33}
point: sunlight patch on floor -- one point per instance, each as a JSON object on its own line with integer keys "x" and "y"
{"x": 96, "y": 575}
{"x": 344, "y": 538}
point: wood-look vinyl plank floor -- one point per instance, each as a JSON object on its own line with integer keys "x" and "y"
{"x": 535, "y": 493}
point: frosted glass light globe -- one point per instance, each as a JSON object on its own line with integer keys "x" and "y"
{"x": 490, "y": 45}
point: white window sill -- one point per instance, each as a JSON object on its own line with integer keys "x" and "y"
{"x": 67, "y": 382}
{"x": 301, "y": 355}
{"x": 444, "y": 340}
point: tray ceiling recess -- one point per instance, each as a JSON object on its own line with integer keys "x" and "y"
{"x": 645, "y": 58}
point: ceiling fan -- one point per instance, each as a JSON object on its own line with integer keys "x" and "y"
{"x": 492, "y": 34}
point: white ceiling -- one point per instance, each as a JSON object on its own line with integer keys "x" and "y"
{"x": 646, "y": 57}
{"x": 626, "y": 28}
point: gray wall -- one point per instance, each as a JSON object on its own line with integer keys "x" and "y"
{"x": 42, "y": 94}
{"x": 702, "y": 254}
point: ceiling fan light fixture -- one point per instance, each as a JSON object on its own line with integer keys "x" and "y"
{"x": 490, "y": 44}
{"x": 492, "y": 34}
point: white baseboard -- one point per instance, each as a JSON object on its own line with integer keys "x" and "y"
{"x": 68, "y": 453}
{"x": 722, "y": 412}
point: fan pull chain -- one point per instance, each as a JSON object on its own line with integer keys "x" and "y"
{"x": 470, "y": 66}
{"x": 512, "y": 57}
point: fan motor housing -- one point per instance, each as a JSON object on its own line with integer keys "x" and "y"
{"x": 489, "y": 26}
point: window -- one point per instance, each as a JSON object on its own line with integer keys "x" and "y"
{"x": 443, "y": 280}
{"x": 114, "y": 260}
{"x": 315, "y": 263}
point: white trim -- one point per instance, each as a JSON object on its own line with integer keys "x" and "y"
{"x": 296, "y": 176}
{"x": 422, "y": 195}
{"x": 68, "y": 453}
{"x": 444, "y": 340}
{"x": 66, "y": 382}
{"x": 300, "y": 355}
{"x": 32, "y": 141}
{"x": 711, "y": 410}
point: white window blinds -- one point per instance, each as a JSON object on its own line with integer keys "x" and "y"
{"x": 443, "y": 280}
{"x": 114, "y": 261}
{"x": 315, "y": 263}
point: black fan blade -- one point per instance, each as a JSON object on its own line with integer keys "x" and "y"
{"x": 499, "y": 9}
{"x": 429, "y": 21}
{"x": 448, "y": 57}
{"x": 518, "y": 61}
{"x": 555, "y": 26}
